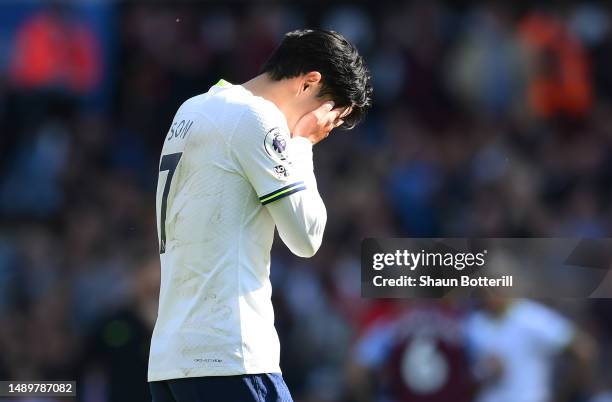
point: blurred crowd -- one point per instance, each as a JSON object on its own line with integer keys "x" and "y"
{"x": 489, "y": 119}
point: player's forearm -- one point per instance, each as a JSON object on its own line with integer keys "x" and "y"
{"x": 300, "y": 221}
{"x": 301, "y": 217}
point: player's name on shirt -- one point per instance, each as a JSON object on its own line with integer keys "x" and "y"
{"x": 179, "y": 129}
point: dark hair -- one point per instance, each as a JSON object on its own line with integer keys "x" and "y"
{"x": 344, "y": 75}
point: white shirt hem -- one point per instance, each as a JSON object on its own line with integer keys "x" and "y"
{"x": 208, "y": 372}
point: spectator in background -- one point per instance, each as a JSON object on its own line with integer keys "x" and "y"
{"x": 560, "y": 84}
{"x": 53, "y": 50}
{"x": 487, "y": 69}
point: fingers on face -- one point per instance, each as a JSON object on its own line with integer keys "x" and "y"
{"x": 322, "y": 112}
{"x": 337, "y": 115}
{"x": 346, "y": 111}
{"x": 332, "y": 118}
{"x": 327, "y": 106}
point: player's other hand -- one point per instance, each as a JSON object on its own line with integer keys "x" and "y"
{"x": 316, "y": 125}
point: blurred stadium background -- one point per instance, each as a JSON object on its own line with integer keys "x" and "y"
{"x": 490, "y": 119}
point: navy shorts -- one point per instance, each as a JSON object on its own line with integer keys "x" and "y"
{"x": 239, "y": 388}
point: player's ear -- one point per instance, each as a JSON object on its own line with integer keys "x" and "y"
{"x": 310, "y": 80}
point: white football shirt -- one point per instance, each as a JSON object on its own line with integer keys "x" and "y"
{"x": 229, "y": 173}
{"x": 525, "y": 340}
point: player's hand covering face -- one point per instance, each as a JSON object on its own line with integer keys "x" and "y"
{"x": 316, "y": 125}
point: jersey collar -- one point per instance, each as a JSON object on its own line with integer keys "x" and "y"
{"x": 223, "y": 83}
